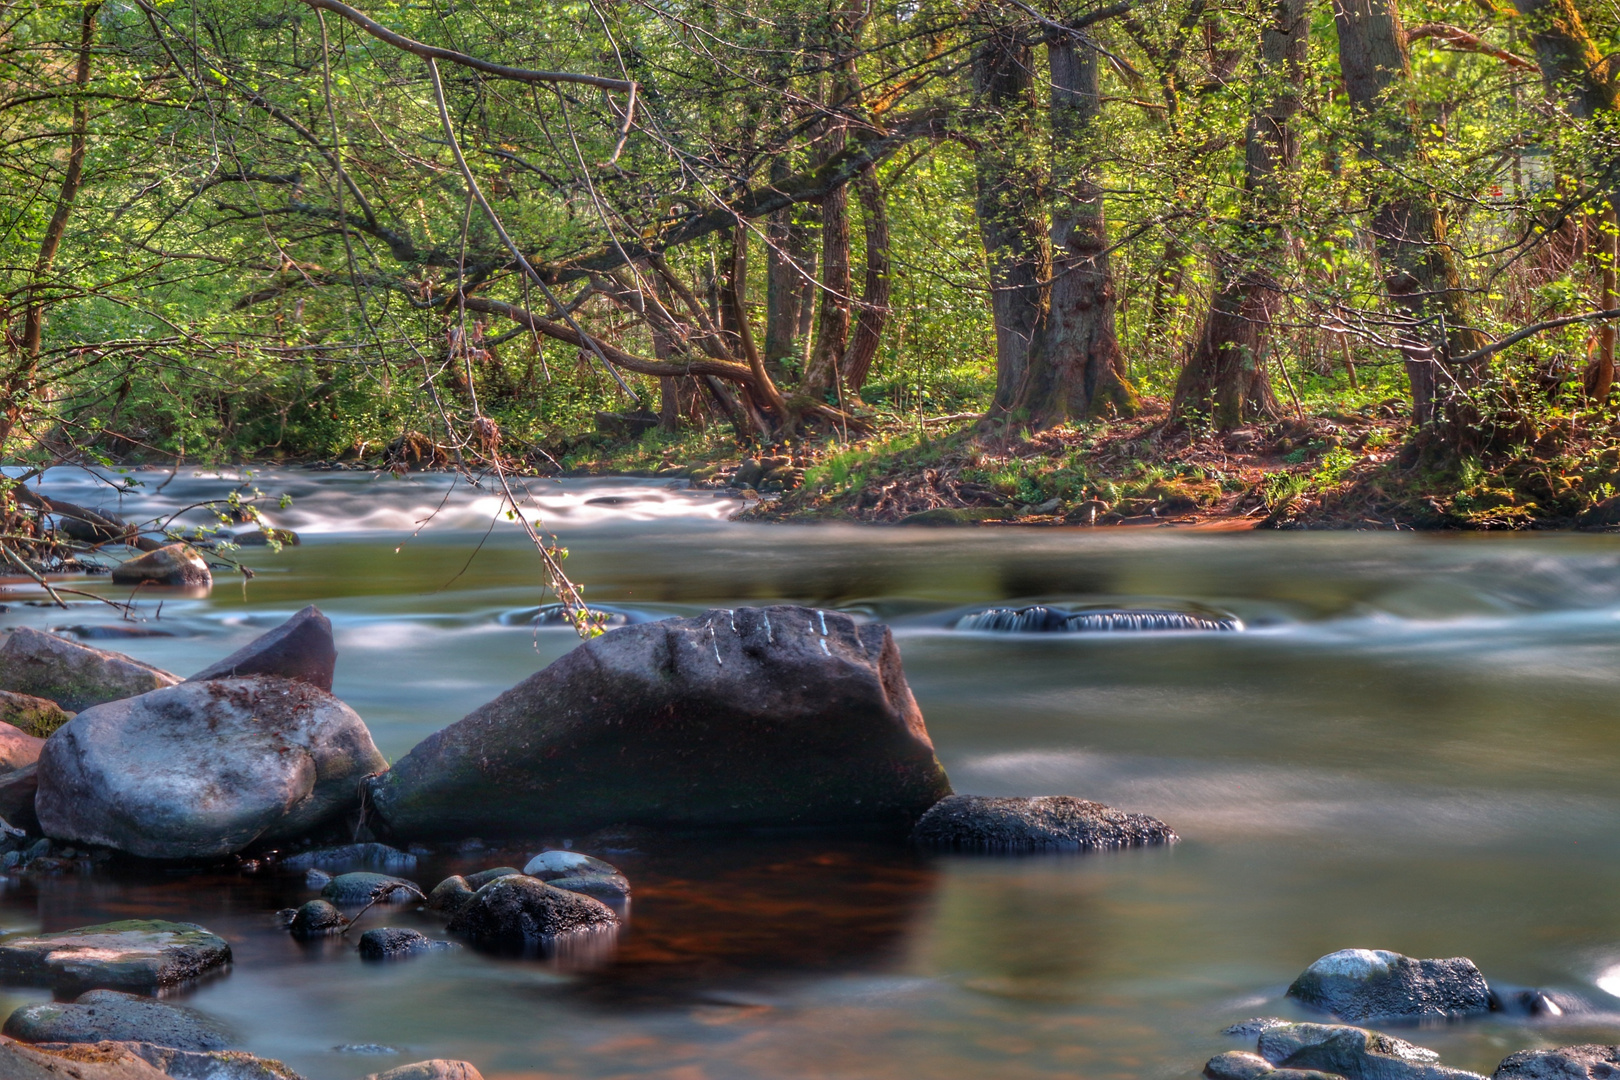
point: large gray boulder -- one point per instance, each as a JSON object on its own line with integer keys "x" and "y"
{"x": 1038, "y": 823}
{"x": 1562, "y": 1063}
{"x": 204, "y": 769}
{"x": 72, "y": 675}
{"x": 111, "y": 1014}
{"x": 300, "y": 648}
{"x": 779, "y": 716}
{"x": 1368, "y": 985}
{"x": 134, "y": 954}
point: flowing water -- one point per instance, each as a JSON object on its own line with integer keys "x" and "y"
{"x": 1412, "y": 745}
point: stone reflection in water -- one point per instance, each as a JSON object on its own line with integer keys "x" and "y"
{"x": 721, "y": 914}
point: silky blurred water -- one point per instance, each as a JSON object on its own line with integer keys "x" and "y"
{"x": 1413, "y": 745}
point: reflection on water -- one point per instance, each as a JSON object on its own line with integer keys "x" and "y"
{"x": 1410, "y": 746}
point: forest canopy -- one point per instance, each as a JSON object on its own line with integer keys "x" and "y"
{"x": 300, "y": 228}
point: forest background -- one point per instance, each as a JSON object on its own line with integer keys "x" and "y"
{"x": 1274, "y": 260}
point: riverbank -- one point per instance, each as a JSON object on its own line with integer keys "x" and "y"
{"x": 1355, "y": 469}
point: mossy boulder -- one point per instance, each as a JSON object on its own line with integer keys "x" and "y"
{"x": 132, "y": 954}
{"x": 74, "y": 676}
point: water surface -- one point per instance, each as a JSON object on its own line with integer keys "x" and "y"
{"x": 1412, "y": 746}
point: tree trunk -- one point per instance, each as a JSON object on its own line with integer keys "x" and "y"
{"x": 787, "y": 286}
{"x": 1571, "y": 64}
{"x": 857, "y": 360}
{"x": 1075, "y": 368}
{"x": 25, "y": 368}
{"x": 1225, "y": 379}
{"x": 832, "y": 323}
{"x": 1007, "y": 203}
{"x": 1409, "y": 230}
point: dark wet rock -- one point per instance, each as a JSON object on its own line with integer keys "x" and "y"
{"x": 1254, "y": 1027}
{"x": 1530, "y": 1001}
{"x": 484, "y": 877}
{"x": 300, "y": 648}
{"x": 760, "y": 716}
{"x": 17, "y": 748}
{"x": 317, "y": 879}
{"x": 1040, "y": 823}
{"x": 110, "y": 1014}
{"x": 351, "y": 856}
{"x": 134, "y": 954}
{"x": 174, "y": 564}
{"x": 1039, "y": 619}
{"x": 318, "y": 918}
{"x": 448, "y": 895}
{"x": 1587, "y": 1062}
{"x": 579, "y": 873}
{"x": 112, "y": 631}
{"x": 1364, "y": 985}
{"x": 747, "y": 474}
{"x": 514, "y": 912}
{"x": 394, "y": 943}
{"x": 74, "y": 676}
{"x": 958, "y": 515}
{"x": 348, "y": 890}
{"x": 107, "y": 1061}
{"x": 1352, "y": 1052}
{"x": 36, "y": 716}
{"x": 204, "y": 769}
{"x": 437, "y": 1069}
{"x": 1236, "y": 1065}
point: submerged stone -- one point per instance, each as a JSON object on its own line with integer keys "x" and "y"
{"x": 350, "y": 856}
{"x": 134, "y": 954}
{"x": 1363, "y": 985}
{"x": 362, "y": 888}
{"x": 110, "y": 1014}
{"x": 1040, "y": 823}
{"x": 394, "y": 943}
{"x": 1039, "y": 619}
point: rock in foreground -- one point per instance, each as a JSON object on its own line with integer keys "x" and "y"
{"x": 108, "y": 1061}
{"x": 18, "y": 749}
{"x": 1041, "y": 823}
{"x": 1563, "y": 1063}
{"x": 175, "y": 564}
{"x": 35, "y": 716}
{"x": 300, "y": 648}
{"x": 72, "y": 675}
{"x": 1365, "y": 985}
{"x": 109, "y": 1014}
{"x": 779, "y": 716}
{"x": 135, "y": 954}
{"x": 1323, "y": 1051}
{"x": 517, "y": 912}
{"x": 204, "y": 769}
{"x": 396, "y": 943}
{"x": 437, "y": 1069}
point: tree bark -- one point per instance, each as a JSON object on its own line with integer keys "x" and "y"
{"x": 1408, "y": 228}
{"x": 1008, "y": 196}
{"x": 874, "y": 305}
{"x": 1225, "y": 378}
{"x": 25, "y": 368}
{"x": 1075, "y": 369}
{"x": 788, "y": 268}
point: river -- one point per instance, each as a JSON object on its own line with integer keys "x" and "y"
{"x": 1413, "y": 745}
